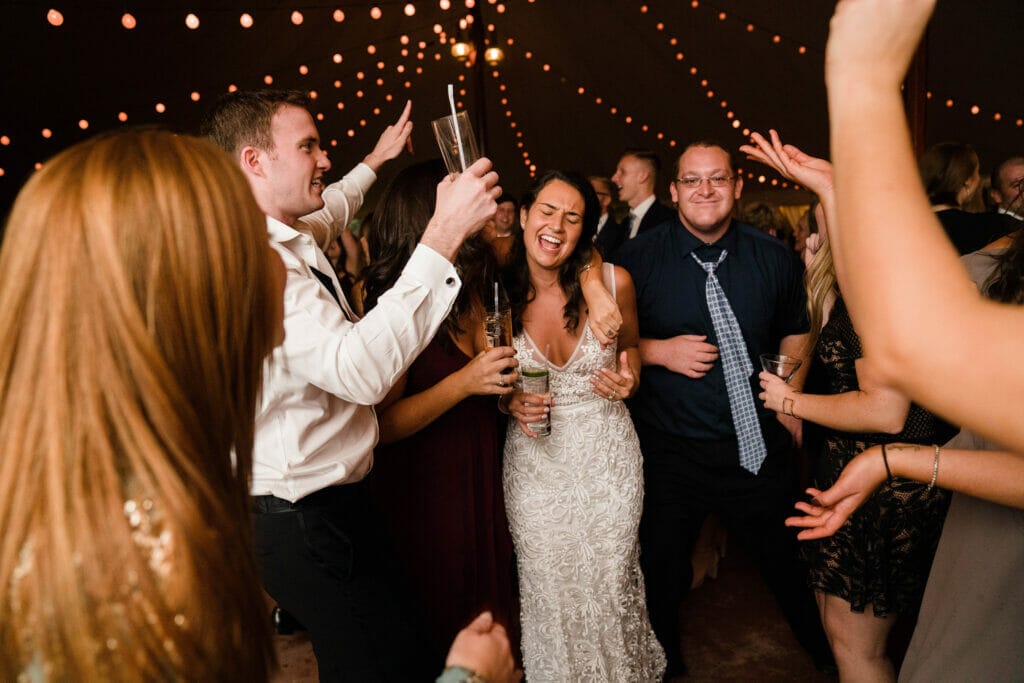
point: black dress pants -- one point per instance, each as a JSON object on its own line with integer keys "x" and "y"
{"x": 684, "y": 481}
{"x": 327, "y": 561}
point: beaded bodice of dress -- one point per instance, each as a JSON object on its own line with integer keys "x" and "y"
{"x": 570, "y": 383}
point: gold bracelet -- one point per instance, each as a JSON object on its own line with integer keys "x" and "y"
{"x": 935, "y": 469}
{"x": 787, "y": 406}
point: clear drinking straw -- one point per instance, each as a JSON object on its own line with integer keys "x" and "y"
{"x": 458, "y": 136}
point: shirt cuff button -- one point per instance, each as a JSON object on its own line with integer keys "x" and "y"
{"x": 450, "y": 281}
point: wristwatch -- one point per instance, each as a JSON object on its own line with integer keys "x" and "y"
{"x": 460, "y": 674}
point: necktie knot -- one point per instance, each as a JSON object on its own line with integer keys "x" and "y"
{"x": 710, "y": 266}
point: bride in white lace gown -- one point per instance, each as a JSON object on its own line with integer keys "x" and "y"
{"x": 574, "y": 497}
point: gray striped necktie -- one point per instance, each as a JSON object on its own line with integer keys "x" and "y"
{"x": 737, "y": 368}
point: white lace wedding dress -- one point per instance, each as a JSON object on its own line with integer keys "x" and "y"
{"x": 574, "y": 500}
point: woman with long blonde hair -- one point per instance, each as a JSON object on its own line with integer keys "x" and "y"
{"x": 127, "y": 398}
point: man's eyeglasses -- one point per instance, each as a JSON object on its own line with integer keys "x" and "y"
{"x": 694, "y": 182}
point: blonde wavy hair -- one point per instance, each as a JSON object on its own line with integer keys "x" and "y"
{"x": 130, "y": 364}
{"x": 820, "y": 280}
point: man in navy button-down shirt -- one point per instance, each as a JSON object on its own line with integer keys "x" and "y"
{"x": 682, "y": 411}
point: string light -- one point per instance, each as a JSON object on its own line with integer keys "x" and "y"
{"x": 439, "y": 37}
{"x": 517, "y": 134}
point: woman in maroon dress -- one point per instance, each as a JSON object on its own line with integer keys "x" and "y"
{"x": 437, "y": 474}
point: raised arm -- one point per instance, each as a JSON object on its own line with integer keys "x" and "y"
{"x": 921, "y": 320}
{"x": 791, "y": 162}
{"x": 359, "y": 362}
{"x": 343, "y": 198}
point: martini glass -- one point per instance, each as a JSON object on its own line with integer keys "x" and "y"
{"x": 780, "y": 365}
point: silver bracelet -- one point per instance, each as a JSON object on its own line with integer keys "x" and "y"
{"x": 935, "y": 469}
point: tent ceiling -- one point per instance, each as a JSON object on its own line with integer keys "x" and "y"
{"x": 90, "y": 68}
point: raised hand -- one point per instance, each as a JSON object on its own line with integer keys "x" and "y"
{"x": 464, "y": 203}
{"x": 391, "y": 141}
{"x": 873, "y": 41}
{"x": 813, "y": 173}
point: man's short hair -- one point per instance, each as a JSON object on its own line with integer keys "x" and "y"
{"x": 242, "y": 118}
{"x": 998, "y": 169}
{"x": 607, "y": 183}
{"x": 648, "y": 156}
{"x": 506, "y": 197}
{"x": 707, "y": 142}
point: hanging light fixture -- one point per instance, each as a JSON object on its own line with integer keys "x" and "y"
{"x": 494, "y": 55}
{"x": 462, "y": 48}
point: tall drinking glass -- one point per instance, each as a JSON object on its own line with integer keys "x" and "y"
{"x": 455, "y": 137}
{"x": 534, "y": 378}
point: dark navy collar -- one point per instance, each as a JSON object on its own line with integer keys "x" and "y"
{"x": 686, "y": 242}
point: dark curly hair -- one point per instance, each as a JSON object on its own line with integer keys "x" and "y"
{"x": 516, "y": 274}
{"x": 399, "y": 220}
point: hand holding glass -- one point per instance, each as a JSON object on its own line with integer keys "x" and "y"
{"x": 458, "y": 149}
{"x": 781, "y": 365}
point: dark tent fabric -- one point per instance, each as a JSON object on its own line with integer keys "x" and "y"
{"x": 581, "y": 80}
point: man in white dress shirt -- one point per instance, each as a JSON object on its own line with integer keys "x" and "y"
{"x": 636, "y": 176}
{"x": 324, "y": 557}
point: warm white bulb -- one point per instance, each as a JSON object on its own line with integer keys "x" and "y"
{"x": 493, "y": 55}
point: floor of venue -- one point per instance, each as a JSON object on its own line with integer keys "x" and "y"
{"x": 732, "y": 631}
